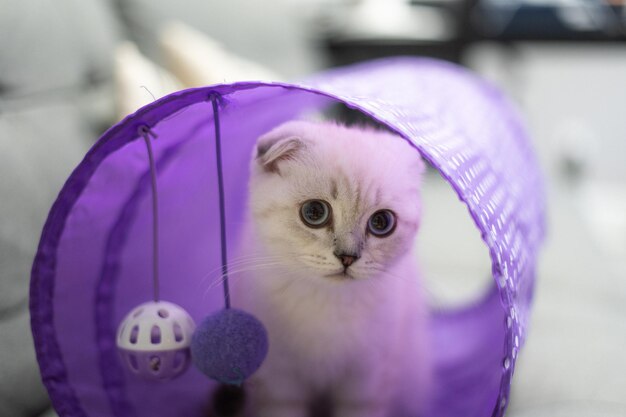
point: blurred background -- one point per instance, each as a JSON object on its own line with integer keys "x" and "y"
{"x": 69, "y": 69}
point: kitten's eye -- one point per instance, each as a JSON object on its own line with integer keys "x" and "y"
{"x": 382, "y": 223}
{"x": 315, "y": 213}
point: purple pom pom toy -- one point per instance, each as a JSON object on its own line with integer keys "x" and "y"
{"x": 229, "y": 346}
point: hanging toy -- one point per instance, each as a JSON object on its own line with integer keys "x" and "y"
{"x": 230, "y": 345}
{"x": 154, "y": 338}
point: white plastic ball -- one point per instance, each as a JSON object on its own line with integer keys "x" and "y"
{"x": 154, "y": 340}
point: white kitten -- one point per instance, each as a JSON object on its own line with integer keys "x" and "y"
{"x": 327, "y": 248}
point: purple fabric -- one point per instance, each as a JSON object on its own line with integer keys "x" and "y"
{"x": 93, "y": 263}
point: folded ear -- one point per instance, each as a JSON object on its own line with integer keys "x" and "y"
{"x": 274, "y": 148}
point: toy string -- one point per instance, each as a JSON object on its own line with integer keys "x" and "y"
{"x": 147, "y": 134}
{"x": 215, "y": 97}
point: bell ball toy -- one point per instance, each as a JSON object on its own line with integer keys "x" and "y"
{"x": 154, "y": 340}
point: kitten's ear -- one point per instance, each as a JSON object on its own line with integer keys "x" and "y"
{"x": 273, "y": 149}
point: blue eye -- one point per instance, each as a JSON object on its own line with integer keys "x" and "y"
{"x": 382, "y": 223}
{"x": 315, "y": 213}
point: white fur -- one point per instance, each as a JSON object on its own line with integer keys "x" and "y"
{"x": 361, "y": 339}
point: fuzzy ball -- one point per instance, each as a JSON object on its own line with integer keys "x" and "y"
{"x": 229, "y": 346}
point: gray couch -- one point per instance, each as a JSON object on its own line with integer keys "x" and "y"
{"x": 48, "y": 78}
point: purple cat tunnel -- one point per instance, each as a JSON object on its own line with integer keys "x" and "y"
{"x": 94, "y": 265}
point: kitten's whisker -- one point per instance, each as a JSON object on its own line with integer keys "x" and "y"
{"x": 306, "y": 256}
{"x": 236, "y": 273}
{"x": 233, "y": 262}
{"x": 242, "y": 268}
{"x": 236, "y": 276}
{"x": 237, "y": 263}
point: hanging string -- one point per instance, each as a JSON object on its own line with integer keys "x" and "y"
{"x": 215, "y": 97}
{"x": 147, "y": 134}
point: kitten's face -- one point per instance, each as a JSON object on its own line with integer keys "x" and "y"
{"x": 334, "y": 202}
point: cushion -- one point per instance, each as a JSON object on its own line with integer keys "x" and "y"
{"x": 283, "y": 40}
{"x": 55, "y": 84}
{"x": 21, "y": 391}
{"x": 199, "y": 60}
{"x": 53, "y": 47}
{"x": 138, "y": 80}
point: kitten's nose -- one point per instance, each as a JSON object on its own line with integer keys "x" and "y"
{"x": 347, "y": 259}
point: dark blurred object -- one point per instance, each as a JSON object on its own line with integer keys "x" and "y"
{"x": 366, "y": 29}
{"x": 550, "y": 20}
{"x": 229, "y": 400}
{"x": 377, "y": 28}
